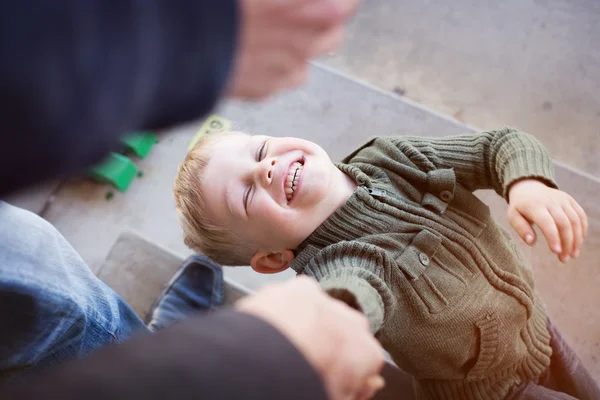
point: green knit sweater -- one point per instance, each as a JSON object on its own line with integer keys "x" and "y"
{"x": 443, "y": 286}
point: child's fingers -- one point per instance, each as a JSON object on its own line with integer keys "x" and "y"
{"x": 542, "y": 218}
{"x": 565, "y": 230}
{"x": 582, "y": 215}
{"x": 521, "y": 226}
{"x": 576, "y": 228}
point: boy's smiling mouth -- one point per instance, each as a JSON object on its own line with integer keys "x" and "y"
{"x": 290, "y": 184}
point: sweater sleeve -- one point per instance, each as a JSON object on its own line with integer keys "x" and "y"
{"x": 76, "y": 75}
{"x": 227, "y": 355}
{"x": 355, "y": 291}
{"x": 487, "y": 160}
{"x": 353, "y": 273}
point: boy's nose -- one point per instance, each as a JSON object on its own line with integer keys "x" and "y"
{"x": 267, "y": 170}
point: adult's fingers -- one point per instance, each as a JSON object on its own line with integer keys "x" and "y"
{"x": 361, "y": 350}
{"x": 297, "y": 78}
{"x": 327, "y": 42}
{"x": 346, "y": 8}
{"x": 325, "y": 13}
{"x": 355, "y": 317}
{"x": 290, "y": 79}
{"x": 521, "y": 226}
{"x": 333, "y": 337}
{"x": 373, "y": 385}
{"x": 366, "y": 381}
{"x": 281, "y": 71}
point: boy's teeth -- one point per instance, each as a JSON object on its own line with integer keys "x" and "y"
{"x": 292, "y": 179}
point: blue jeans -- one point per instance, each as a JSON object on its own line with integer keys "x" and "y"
{"x": 52, "y": 307}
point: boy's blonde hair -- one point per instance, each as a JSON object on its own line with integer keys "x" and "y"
{"x": 200, "y": 233}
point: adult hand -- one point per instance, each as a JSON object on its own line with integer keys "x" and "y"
{"x": 334, "y": 338}
{"x": 277, "y": 38}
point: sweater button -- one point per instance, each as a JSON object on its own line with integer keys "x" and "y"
{"x": 424, "y": 259}
{"x": 446, "y": 196}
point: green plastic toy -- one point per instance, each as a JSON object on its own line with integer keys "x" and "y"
{"x": 116, "y": 169}
{"x": 139, "y": 143}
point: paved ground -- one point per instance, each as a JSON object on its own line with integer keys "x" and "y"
{"x": 534, "y": 64}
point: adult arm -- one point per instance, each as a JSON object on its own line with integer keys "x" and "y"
{"x": 287, "y": 341}
{"x": 229, "y": 355}
{"x": 76, "y": 75}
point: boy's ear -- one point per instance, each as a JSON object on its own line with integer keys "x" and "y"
{"x": 265, "y": 262}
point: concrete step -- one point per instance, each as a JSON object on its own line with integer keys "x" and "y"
{"x": 35, "y": 199}
{"x": 138, "y": 270}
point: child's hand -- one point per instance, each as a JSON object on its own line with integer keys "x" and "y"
{"x": 560, "y": 218}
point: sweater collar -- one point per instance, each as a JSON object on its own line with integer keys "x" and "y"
{"x": 357, "y": 217}
{"x": 355, "y": 173}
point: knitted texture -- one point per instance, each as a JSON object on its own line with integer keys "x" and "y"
{"x": 441, "y": 283}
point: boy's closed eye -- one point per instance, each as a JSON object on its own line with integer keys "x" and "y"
{"x": 260, "y": 155}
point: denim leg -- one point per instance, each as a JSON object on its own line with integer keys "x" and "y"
{"x": 52, "y": 307}
{"x": 197, "y": 287}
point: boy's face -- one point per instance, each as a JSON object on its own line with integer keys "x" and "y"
{"x": 273, "y": 191}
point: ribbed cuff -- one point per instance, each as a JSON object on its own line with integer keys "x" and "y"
{"x": 525, "y": 158}
{"x": 366, "y": 296}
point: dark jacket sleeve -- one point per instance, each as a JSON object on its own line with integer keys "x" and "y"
{"x": 75, "y": 75}
{"x": 228, "y": 355}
